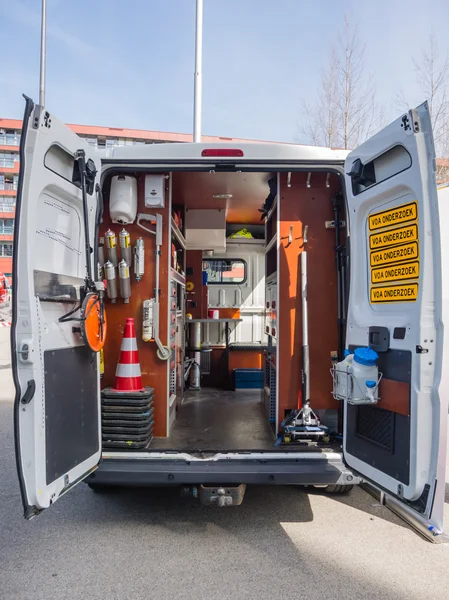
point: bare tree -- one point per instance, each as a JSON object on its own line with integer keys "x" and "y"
{"x": 432, "y": 74}
{"x": 356, "y": 95}
{"x": 344, "y": 112}
{"x": 432, "y": 77}
{"x": 320, "y": 122}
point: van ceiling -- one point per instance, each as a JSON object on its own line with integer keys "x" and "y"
{"x": 249, "y": 190}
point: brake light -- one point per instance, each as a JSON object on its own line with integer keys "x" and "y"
{"x": 226, "y": 152}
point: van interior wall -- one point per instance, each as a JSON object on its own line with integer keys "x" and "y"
{"x": 154, "y": 371}
{"x": 243, "y": 301}
{"x": 302, "y": 206}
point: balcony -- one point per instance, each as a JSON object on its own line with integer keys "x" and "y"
{"x": 6, "y": 229}
{"x": 9, "y": 163}
{"x": 10, "y": 139}
{"x": 8, "y": 187}
{"x": 7, "y": 207}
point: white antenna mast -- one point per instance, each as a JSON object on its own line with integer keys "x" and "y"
{"x": 198, "y": 78}
{"x": 43, "y": 53}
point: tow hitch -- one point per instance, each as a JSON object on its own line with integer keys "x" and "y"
{"x": 217, "y": 495}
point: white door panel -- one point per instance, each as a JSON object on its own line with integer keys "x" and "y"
{"x": 396, "y": 286}
{"x": 57, "y": 421}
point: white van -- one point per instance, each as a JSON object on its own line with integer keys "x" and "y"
{"x": 364, "y": 218}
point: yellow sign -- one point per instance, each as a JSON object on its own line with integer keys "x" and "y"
{"x": 394, "y": 216}
{"x": 393, "y": 237}
{"x": 394, "y": 255}
{"x": 395, "y": 272}
{"x": 404, "y": 292}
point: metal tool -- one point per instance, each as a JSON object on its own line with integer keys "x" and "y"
{"x": 162, "y": 352}
{"x": 139, "y": 259}
{"x": 303, "y": 423}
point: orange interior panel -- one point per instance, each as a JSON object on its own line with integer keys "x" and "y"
{"x": 154, "y": 371}
{"x": 244, "y": 359}
{"x": 300, "y": 206}
{"x": 394, "y": 396}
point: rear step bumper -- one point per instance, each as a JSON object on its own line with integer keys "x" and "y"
{"x": 131, "y": 471}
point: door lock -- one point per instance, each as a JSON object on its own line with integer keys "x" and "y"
{"x": 421, "y": 350}
{"x": 24, "y": 351}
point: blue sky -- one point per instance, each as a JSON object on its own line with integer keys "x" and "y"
{"x": 130, "y": 64}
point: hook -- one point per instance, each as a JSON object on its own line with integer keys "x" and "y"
{"x": 289, "y": 179}
{"x": 304, "y": 235}
{"x": 328, "y": 176}
{"x": 309, "y": 176}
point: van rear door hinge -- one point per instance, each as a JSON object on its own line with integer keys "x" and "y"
{"x": 332, "y": 224}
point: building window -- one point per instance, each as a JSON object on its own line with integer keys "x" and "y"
{"x": 225, "y": 271}
{"x": 7, "y": 204}
{"x": 6, "y": 226}
{"x": 9, "y": 138}
{"x": 5, "y": 249}
{"x": 7, "y": 159}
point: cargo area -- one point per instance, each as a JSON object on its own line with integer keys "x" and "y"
{"x": 229, "y": 294}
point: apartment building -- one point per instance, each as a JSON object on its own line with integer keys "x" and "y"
{"x": 99, "y": 137}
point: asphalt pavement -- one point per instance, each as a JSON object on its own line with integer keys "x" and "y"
{"x": 145, "y": 544}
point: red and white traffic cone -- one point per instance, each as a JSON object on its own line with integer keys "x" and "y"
{"x": 128, "y": 377}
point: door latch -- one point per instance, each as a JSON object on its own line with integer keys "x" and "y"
{"x": 421, "y": 350}
{"x": 24, "y": 351}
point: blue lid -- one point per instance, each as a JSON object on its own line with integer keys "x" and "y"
{"x": 370, "y": 383}
{"x": 346, "y": 353}
{"x": 365, "y": 356}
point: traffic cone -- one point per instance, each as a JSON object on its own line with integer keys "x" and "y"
{"x": 128, "y": 377}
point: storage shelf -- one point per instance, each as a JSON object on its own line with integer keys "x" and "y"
{"x": 245, "y": 241}
{"x": 272, "y": 243}
{"x": 177, "y": 234}
{"x": 177, "y": 276}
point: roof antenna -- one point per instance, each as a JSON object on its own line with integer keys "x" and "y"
{"x": 198, "y": 77}
{"x": 43, "y": 53}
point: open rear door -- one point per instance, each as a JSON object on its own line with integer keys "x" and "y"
{"x": 57, "y": 406}
{"x": 399, "y": 444}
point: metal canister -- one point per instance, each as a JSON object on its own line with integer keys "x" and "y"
{"x": 111, "y": 244}
{"x": 195, "y": 342}
{"x": 147, "y": 320}
{"x": 101, "y": 258}
{"x": 125, "y": 246}
{"x": 139, "y": 258}
{"x": 111, "y": 280}
{"x": 125, "y": 282}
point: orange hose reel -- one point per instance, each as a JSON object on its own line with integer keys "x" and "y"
{"x": 93, "y": 321}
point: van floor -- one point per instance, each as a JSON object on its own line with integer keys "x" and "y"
{"x": 221, "y": 420}
{"x": 215, "y": 419}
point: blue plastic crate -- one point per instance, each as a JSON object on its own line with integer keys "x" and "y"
{"x": 248, "y": 379}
